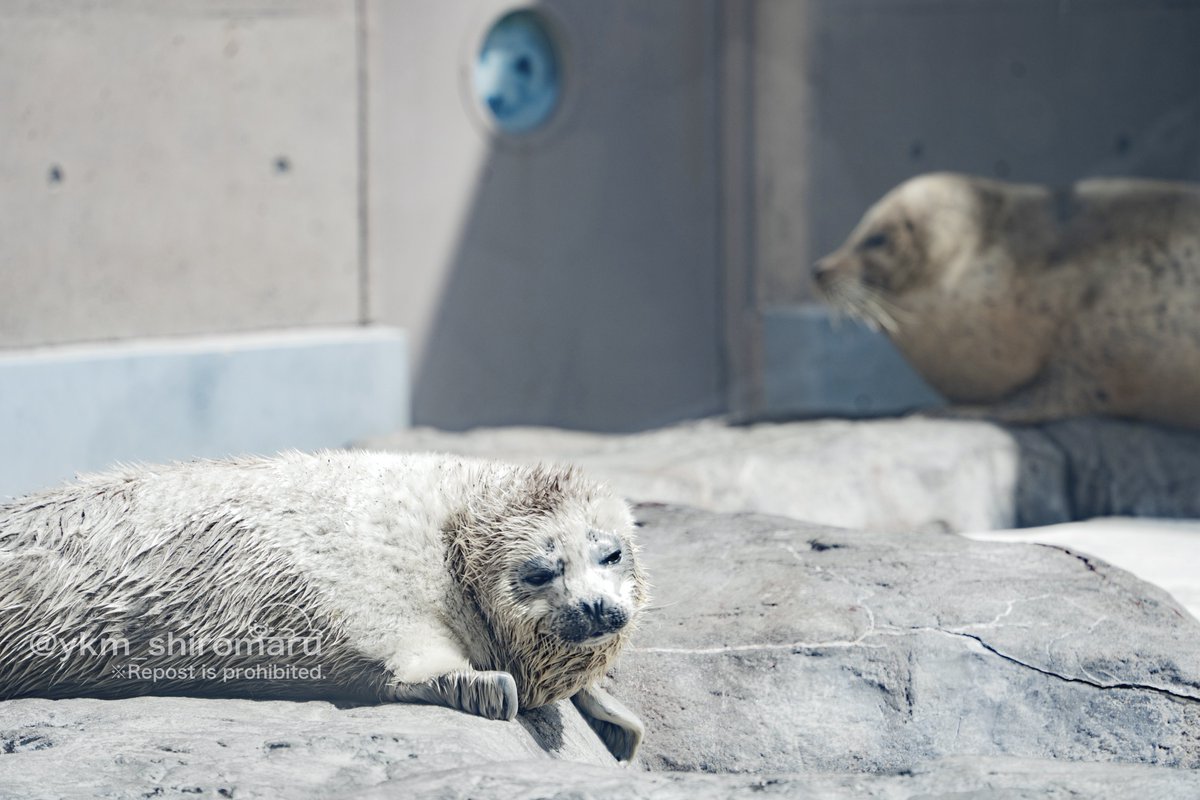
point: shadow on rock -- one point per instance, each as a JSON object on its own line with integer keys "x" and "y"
{"x": 545, "y": 725}
{"x": 1082, "y": 468}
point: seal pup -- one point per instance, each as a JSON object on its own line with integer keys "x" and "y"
{"x": 1029, "y": 304}
{"x": 473, "y": 584}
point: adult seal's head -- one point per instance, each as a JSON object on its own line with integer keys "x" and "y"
{"x": 907, "y": 247}
{"x": 1032, "y": 303}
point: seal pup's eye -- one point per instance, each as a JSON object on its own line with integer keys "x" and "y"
{"x": 612, "y": 558}
{"x": 539, "y": 578}
{"x": 539, "y": 571}
{"x": 873, "y": 241}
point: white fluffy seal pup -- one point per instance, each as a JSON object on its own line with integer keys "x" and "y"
{"x": 1032, "y": 304}
{"x": 477, "y": 585}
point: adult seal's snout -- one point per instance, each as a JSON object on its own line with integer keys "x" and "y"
{"x": 821, "y": 270}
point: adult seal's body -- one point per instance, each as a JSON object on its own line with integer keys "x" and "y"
{"x": 1032, "y": 304}
{"x": 476, "y": 585}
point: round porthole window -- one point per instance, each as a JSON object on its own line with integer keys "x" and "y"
{"x": 517, "y": 76}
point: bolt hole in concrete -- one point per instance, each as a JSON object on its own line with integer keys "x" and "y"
{"x": 55, "y": 174}
{"x": 517, "y": 76}
{"x": 282, "y": 164}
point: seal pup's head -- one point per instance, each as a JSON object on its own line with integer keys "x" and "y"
{"x": 582, "y": 589}
{"x": 915, "y": 238}
{"x": 550, "y": 562}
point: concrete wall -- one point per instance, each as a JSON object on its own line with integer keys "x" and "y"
{"x": 204, "y": 167}
{"x": 214, "y": 166}
{"x": 172, "y": 168}
{"x": 177, "y": 167}
{"x": 572, "y": 278}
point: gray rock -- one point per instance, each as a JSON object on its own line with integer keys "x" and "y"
{"x": 896, "y": 474}
{"x": 1083, "y": 468}
{"x": 963, "y": 778}
{"x": 777, "y": 646}
{"x": 160, "y": 747}
{"x": 781, "y": 658}
{"x": 900, "y": 474}
{"x": 177, "y": 746}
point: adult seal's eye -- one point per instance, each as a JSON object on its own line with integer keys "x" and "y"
{"x": 540, "y": 578}
{"x": 612, "y": 558}
{"x": 874, "y": 241}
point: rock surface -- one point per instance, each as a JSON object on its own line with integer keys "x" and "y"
{"x": 778, "y": 646}
{"x": 897, "y": 474}
{"x": 1076, "y": 469}
{"x": 962, "y": 778}
{"x": 893, "y": 474}
{"x": 781, "y": 658}
{"x": 1164, "y": 552}
{"x": 177, "y": 746}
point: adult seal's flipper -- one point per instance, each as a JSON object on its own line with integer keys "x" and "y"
{"x": 617, "y": 726}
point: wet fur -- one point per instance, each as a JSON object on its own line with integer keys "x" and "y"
{"x": 487, "y": 545}
{"x": 401, "y": 564}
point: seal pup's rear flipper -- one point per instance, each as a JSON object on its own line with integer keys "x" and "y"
{"x": 488, "y": 694}
{"x": 617, "y": 726}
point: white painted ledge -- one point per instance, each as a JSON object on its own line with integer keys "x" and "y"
{"x": 80, "y": 408}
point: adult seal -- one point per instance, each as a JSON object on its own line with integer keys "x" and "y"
{"x": 1029, "y": 304}
{"x": 477, "y": 585}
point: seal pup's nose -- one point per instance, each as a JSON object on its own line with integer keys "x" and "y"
{"x": 602, "y": 617}
{"x": 593, "y": 610}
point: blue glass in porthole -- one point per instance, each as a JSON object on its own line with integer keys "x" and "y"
{"x": 517, "y": 76}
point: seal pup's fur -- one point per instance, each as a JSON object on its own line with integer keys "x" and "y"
{"x": 473, "y": 584}
{"x": 1029, "y": 304}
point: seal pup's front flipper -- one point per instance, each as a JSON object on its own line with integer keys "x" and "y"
{"x": 488, "y": 694}
{"x": 617, "y": 726}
